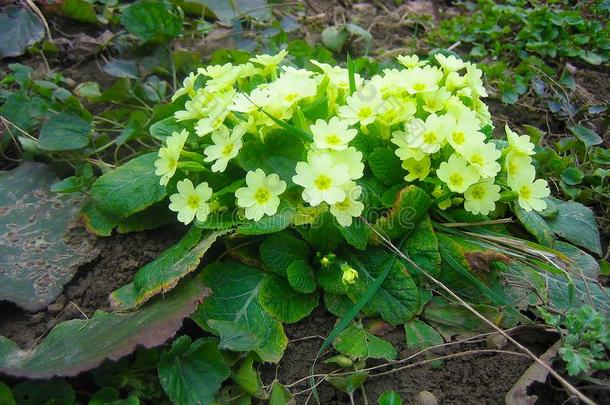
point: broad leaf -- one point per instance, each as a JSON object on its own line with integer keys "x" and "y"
{"x": 227, "y": 11}
{"x": 419, "y": 335}
{"x": 234, "y": 311}
{"x": 275, "y": 223}
{"x": 80, "y": 10}
{"x": 301, "y": 277}
{"x": 192, "y": 373}
{"x": 576, "y": 223}
{"x": 586, "y": 136}
{"x": 357, "y": 234}
{"x": 78, "y": 345}
{"x": 451, "y": 318}
{"x": 285, "y": 304}
{"x": 36, "y": 258}
{"x": 409, "y": 208}
{"x": 64, "y": 132}
{"x": 386, "y": 166}
{"x": 248, "y": 378}
{"x": 422, "y": 248}
{"x": 6, "y": 396}
{"x": 128, "y": 189}
{"x": 151, "y": 21}
{"x": 390, "y": 398}
{"x": 397, "y": 299}
{"x": 162, "y": 274}
{"x": 357, "y": 342}
{"x": 279, "y": 250}
{"x": 535, "y": 225}
{"x": 323, "y": 234}
{"x": 21, "y": 28}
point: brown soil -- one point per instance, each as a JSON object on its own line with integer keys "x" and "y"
{"x": 473, "y": 379}
{"x": 121, "y": 256}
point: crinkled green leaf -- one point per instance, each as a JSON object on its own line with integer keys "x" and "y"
{"x": 35, "y": 257}
{"x": 275, "y": 223}
{"x": 451, "y": 319}
{"x": 162, "y": 274}
{"x": 151, "y": 21}
{"x": 357, "y": 342}
{"x": 301, "y": 277}
{"x": 64, "y": 132}
{"x": 357, "y": 234}
{"x": 279, "y": 250}
{"x": 422, "y": 248}
{"x": 410, "y": 206}
{"x": 397, "y": 299}
{"x": 21, "y": 28}
{"x": 192, "y": 373}
{"x": 336, "y": 304}
{"x": 234, "y": 311}
{"x": 419, "y": 335}
{"x": 81, "y": 344}
{"x": 285, "y": 304}
{"x": 128, "y": 189}
{"x": 535, "y": 225}
{"x": 386, "y": 166}
{"x": 323, "y": 234}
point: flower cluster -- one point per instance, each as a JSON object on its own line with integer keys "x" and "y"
{"x": 430, "y": 113}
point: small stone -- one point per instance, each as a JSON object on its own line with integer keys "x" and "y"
{"x": 496, "y": 341}
{"x": 426, "y": 398}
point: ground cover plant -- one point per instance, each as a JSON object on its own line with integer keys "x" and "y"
{"x": 381, "y": 194}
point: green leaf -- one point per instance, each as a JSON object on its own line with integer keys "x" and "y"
{"x": 234, "y": 311}
{"x": 128, "y": 189}
{"x": 576, "y": 223}
{"x": 228, "y": 11}
{"x": 248, "y": 378}
{"x": 68, "y": 348}
{"x": 422, "y": 248}
{"x": 88, "y": 90}
{"x": 279, "y": 154}
{"x": 359, "y": 343}
{"x": 126, "y": 69}
{"x": 35, "y": 258}
{"x": 164, "y": 128}
{"x": 386, "y": 166}
{"x": 6, "y": 396}
{"x": 162, "y": 274}
{"x": 64, "y": 132}
{"x": 592, "y": 58}
{"x": 285, "y": 304}
{"x": 419, "y": 335}
{"x": 23, "y": 112}
{"x": 397, "y": 299}
{"x": 329, "y": 279}
{"x": 55, "y": 391}
{"x": 536, "y": 225}
{"x": 110, "y": 396}
{"x": 21, "y": 28}
{"x": 79, "y": 10}
{"x": 279, "y": 250}
{"x": 323, "y": 234}
{"x": 334, "y": 38}
{"x": 192, "y": 373}
{"x": 410, "y": 206}
{"x": 336, "y": 304}
{"x": 275, "y": 223}
{"x": 577, "y": 360}
{"x": 280, "y": 395}
{"x": 301, "y": 277}
{"x": 357, "y": 234}
{"x": 151, "y": 21}
{"x": 451, "y": 318}
{"x": 586, "y": 136}
{"x": 349, "y": 383}
{"x": 390, "y": 398}
{"x": 572, "y": 176}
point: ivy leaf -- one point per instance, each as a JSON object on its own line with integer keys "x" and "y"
{"x": 397, "y": 299}
{"x": 128, "y": 189}
{"x": 301, "y": 277}
{"x": 285, "y": 304}
{"x": 386, "y": 166}
{"x": 234, "y": 311}
{"x": 279, "y": 250}
{"x": 64, "y": 132}
{"x": 151, "y": 21}
{"x": 576, "y": 223}
{"x": 21, "y": 28}
{"x": 359, "y": 343}
{"x": 192, "y": 373}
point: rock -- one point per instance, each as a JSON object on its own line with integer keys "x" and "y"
{"x": 426, "y": 398}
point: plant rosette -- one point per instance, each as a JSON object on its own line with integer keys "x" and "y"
{"x": 274, "y": 136}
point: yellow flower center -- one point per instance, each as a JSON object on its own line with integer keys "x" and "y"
{"x": 456, "y": 179}
{"x": 418, "y": 169}
{"x": 172, "y": 164}
{"x": 333, "y": 140}
{"x": 290, "y": 97}
{"x": 458, "y": 137}
{"x": 323, "y": 182}
{"x": 226, "y": 151}
{"x": 478, "y": 193}
{"x": 430, "y": 137}
{"x": 343, "y": 205}
{"x": 262, "y": 195}
{"x": 193, "y": 202}
{"x": 476, "y": 160}
{"x": 525, "y": 192}
{"x": 365, "y": 112}
{"x": 419, "y": 87}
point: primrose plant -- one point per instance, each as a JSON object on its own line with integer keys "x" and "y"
{"x": 432, "y": 116}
